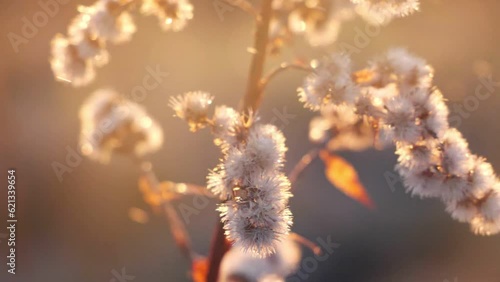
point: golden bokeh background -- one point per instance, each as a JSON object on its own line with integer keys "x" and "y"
{"x": 78, "y": 230}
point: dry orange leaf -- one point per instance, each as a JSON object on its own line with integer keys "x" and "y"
{"x": 159, "y": 198}
{"x": 155, "y": 197}
{"x": 344, "y": 176}
{"x": 200, "y": 270}
{"x": 363, "y": 76}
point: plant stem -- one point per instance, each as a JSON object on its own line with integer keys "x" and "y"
{"x": 282, "y": 67}
{"x": 253, "y": 95}
{"x": 176, "y": 225}
{"x": 219, "y": 247}
{"x": 250, "y": 101}
{"x": 304, "y": 162}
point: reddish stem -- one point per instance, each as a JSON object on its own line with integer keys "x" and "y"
{"x": 253, "y": 95}
{"x": 304, "y": 162}
{"x": 219, "y": 247}
{"x": 250, "y": 101}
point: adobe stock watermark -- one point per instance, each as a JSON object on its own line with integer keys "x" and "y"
{"x": 392, "y": 179}
{"x": 310, "y": 264}
{"x": 30, "y": 26}
{"x": 223, "y": 6}
{"x": 152, "y": 80}
{"x": 121, "y": 276}
{"x": 463, "y": 110}
{"x": 281, "y": 118}
{"x": 363, "y": 37}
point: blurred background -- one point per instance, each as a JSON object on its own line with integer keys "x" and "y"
{"x": 78, "y": 229}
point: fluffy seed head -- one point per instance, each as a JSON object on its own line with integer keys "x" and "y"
{"x": 108, "y": 20}
{"x": 240, "y": 264}
{"x": 113, "y": 124}
{"x": 192, "y": 107}
{"x": 172, "y": 14}
{"x": 330, "y": 81}
{"x": 68, "y": 65}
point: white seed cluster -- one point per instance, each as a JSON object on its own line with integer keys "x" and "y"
{"x": 341, "y": 128}
{"x": 172, "y": 14}
{"x": 320, "y": 21}
{"x": 75, "y": 56}
{"x": 238, "y": 265}
{"x": 383, "y": 11}
{"x": 396, "y": 92}
{"x": 249, "y": 178}
{"x": 110, "y": 123}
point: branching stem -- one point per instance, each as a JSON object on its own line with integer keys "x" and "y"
{"x": 281, "y": 68}
{"x": 176, "y": 225}
{"x": 304, "y": 162}
{"x": 253, "y": 95}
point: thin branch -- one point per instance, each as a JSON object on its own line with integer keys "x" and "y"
{"x": 245, "y": 6}
{"x": 192, "y": 189}
{"x": 253, "y": 95}
{"x": 282, "y": 67}
{"x": 177, "y": 227}
{"x": 220, "y": 246}
{"x": 304, "y": 162}
{"x": 306, "y": 242}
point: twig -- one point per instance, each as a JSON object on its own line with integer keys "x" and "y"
{"x": 306, "y": 242}
{"x": 192, "y": 189}
{"x": 245, "y": 6}
{"x": 177, "y": 227}
{"x": 219, "y": 247}
{"x": 304, "y": 162}
{"x": 282, "y": 67}
{"x": 253, "y": 95}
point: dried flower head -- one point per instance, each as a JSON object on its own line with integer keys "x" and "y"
{"x": 330, "y": 81}
{"x": 433, "y": 159}
{"x": 111, "y": 123}
{"x": 108, "y": 20}
{"x": 249, "y": 177}
{"x": 318, "y": 21}
{"x": 75, "y": 57}
{"x": 380, "y": 12}
{"x": 192, "y": 107}
{"x": 256, "y": 214}
{"x": 89, "y": 46}
{"x": 239, "y": 264}
{"x": 225, "y": 120}
{"x": 172, "y": 14}
{"x": 67, "y": 63}
{"x": 398, "y": 65}
{"x": 342, "y": 128}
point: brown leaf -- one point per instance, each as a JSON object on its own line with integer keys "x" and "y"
{"x": 344, "y": 176}
{"x": 363, "y": 76}
{"x": 156, "y": 196}
{"x": 199, "y": 269}
{"x": 159, "y": 196}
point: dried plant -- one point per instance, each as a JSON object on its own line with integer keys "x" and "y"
{"x": 391, "y": 101}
